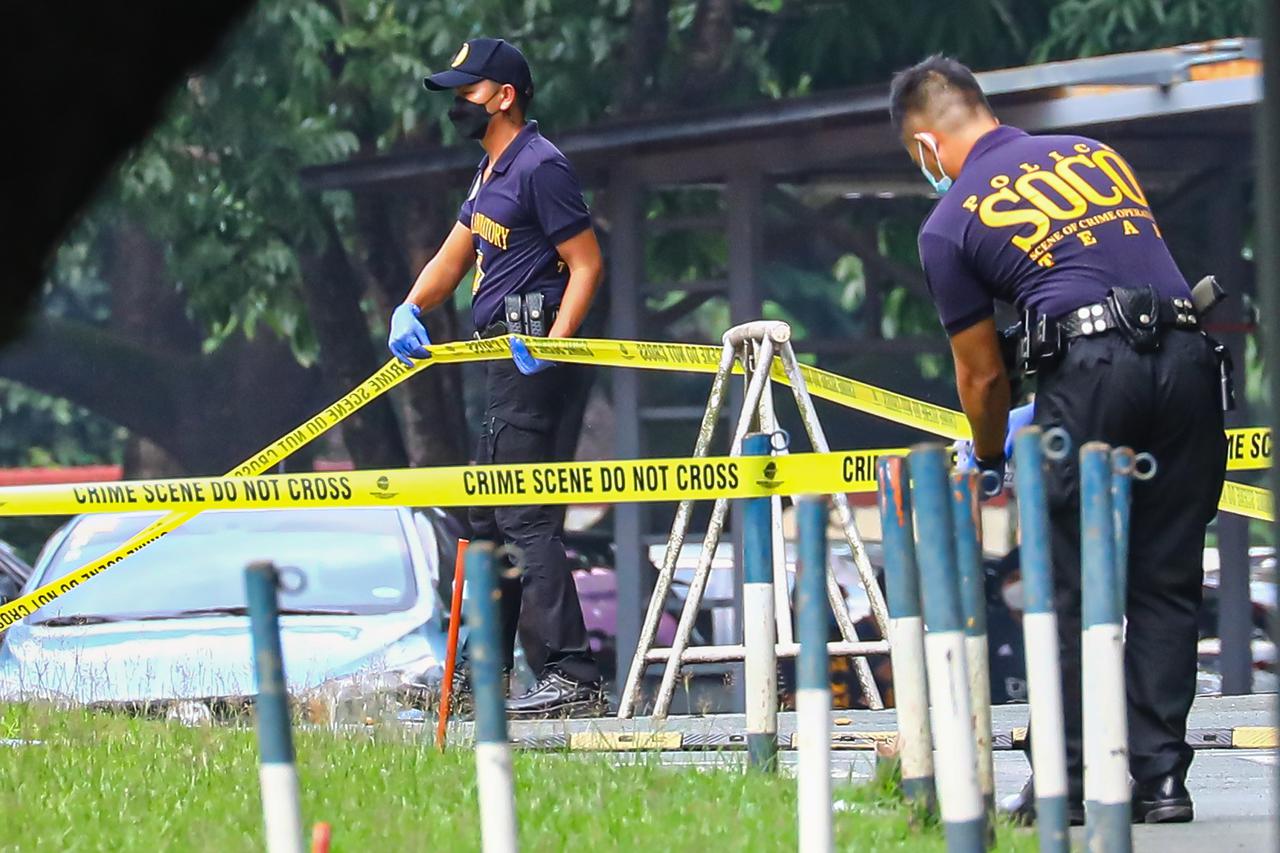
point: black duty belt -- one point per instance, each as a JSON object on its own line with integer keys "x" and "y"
{"x": 1137, "y": 315}
{"x": 1100, "y": 318}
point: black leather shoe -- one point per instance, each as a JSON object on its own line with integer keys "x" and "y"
{"x": 555, "y": 695}
{"x": 1021, "y": 807}
{"x": 1162, "y": 800}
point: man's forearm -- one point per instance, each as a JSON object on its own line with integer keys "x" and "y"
{"x": 576, "y": 302}
{"x": 985, "y": 400}
{"x": 431, "y": 288}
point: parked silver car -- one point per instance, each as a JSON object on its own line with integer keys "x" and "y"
{"x": 167, "y": 631}
{"x": 13, "y": 572}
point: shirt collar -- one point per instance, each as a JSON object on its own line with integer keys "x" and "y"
{"x": 523, "y": 138}
{"x": 993, "y": 139}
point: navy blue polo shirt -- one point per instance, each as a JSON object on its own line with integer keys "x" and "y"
{"x": 531, "y": 203}
{"x": 1043, "y": 222}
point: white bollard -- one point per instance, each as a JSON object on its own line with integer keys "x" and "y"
{"x": 959, "y": 797}
{"x": 813, "y": 685}
{"x": 906, "y": 634}
{"x": 759, "y": 635}
{"x": 1106, "y": 736}
{"x": 1040, "y": 628}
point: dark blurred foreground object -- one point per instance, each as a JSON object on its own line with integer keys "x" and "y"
{"x": 83, "y": 86}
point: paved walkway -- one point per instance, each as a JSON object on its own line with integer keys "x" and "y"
{"x": 1235, "y": 790}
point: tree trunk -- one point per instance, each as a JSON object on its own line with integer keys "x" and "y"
{"x": 208, "y": 413}
{"x": 432, "y": 408}
{"x": 646, "y": 43}
{"x": 347, "y": 354}
{"x": 145, "y": 307}
{"x": 708, "y": 54}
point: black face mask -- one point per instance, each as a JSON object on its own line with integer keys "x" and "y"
{"x": 470, "y": 119}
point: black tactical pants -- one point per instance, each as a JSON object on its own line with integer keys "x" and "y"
{"x": 1166, "y": 403}
{"x": 520, "y": 423}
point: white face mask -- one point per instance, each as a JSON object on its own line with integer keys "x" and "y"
{"x": 940, "y": 185}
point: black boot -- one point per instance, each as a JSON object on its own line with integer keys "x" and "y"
{"x": 1021, "y": 807}
{"x": 1164, "y": 799}
{"x": 556, "y": 695}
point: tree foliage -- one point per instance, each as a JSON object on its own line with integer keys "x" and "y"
{"x": 251, "y": 262}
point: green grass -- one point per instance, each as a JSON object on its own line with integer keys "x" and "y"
{"x": 99, "y": 782}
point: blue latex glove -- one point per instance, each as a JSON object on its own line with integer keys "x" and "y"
{"x": 1019, "y": 418}
{"x": 408, "y": 339}
{"x": 525, "y": 362}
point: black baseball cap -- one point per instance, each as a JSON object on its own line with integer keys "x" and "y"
{"x": 485, "y": 59}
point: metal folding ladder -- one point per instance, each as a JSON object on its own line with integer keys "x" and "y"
{"x": 755, "y": 345}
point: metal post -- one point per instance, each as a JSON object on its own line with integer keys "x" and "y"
{"x": 813, "y": 684}
{"x": 626, "y": 204}
{"x": 1040, "y": 628}
{"x": 966, "y": 520}
{"x": 906, "y": 633}
{"x": 1226, "y": 220}
{"x": 959, "y": 797}
{"x": 494, "y": 777}
{"x": 758, "y": 634}
{"x": 1268, "y": 256}
{"x": 1106, "y": 742}
{"x": 281, "y": 809}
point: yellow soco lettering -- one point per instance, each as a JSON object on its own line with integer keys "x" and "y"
{"x": 1026, "y": 185}
{"x": 993, "y": 218}
{"x": 1065, "y": 169}
{"x": 1112, "y": 165}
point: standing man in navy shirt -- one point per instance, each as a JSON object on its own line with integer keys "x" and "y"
{"x": 1060, "y": 227}
{"x": 527, "y": 230}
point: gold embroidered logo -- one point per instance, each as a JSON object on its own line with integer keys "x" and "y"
{"x": 494, "y": 232}
{"x": 461, "y": 57}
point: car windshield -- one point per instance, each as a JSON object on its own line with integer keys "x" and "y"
{"x": 353, "y": 560}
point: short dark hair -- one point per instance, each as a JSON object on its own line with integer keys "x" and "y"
{"x": 913, "y": 88}
{"x": 522, "y": 101}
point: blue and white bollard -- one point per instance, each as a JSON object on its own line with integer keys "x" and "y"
{"x": 959, "y": 797}
{"x": 1106, "y": 743}
{"x": 813, "y": 686}
{"x": 759, "y": 627}
{"x": 281, "y": 810}
{"x": 906, "y": 633}
{"x": 966, "y": 521}
{"x": 1040, "y": 629}
{"x": 1122, "y": 471}
{"x": 495, "y": 780}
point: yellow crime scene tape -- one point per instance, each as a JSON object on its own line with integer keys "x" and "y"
{"x": 1246, "y": 500}
{"x": 608, "y": 481}
{"x": 1250, "y": 447}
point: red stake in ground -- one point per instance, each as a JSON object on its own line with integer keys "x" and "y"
{"x": 451, "y": 655}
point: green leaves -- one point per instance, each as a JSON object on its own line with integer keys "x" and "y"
{"x": 1093, "y": 27}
